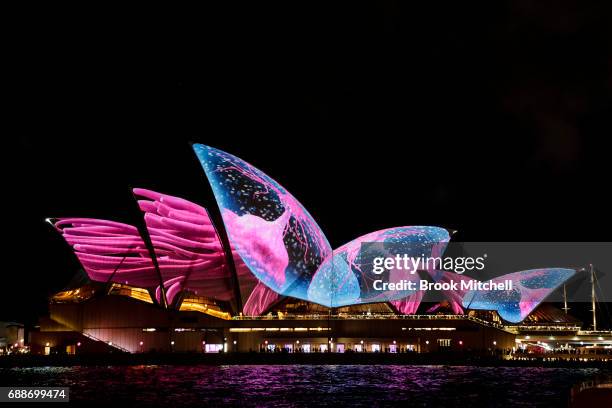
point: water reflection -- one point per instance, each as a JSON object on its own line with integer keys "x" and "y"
{"x": 308, "y": 385}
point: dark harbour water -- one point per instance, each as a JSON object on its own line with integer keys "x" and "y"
{"x": 309, "y": 385}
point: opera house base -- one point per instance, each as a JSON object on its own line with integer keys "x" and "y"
{"x": 124, "y": 324}
{"x": 123, "y": 327}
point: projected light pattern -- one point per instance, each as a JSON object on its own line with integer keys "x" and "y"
{"x": 260, "y": 300}
{"x": 278, "y": 250}
{"x": 347, "y": 277}
{"x": 529, "y": 289}
{"x": 287, "y": 251}
{"x": 115, "y": 252}
{"x": 186, "y": 245}
{"x": 109, "y": 251}
{"x": 409, "y": 305}
{"x": 273, "y": 233}
{"x": 453, "y": 297}
{"x": 284, "y": 247}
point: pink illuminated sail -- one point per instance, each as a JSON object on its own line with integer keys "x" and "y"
{"x": 529, "y": 289}
{"x": 272, "y": 232}
{"x": 278, "y": 249}
{"x": 109, "y": 251}
{"x": 186, "y": 245}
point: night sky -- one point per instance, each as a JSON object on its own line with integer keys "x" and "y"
{"x": 492, "y": 120}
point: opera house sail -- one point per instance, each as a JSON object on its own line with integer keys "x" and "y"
{"x": 276, "y": 257}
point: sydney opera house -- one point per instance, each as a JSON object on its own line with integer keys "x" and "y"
{"x": 263, "y": 277}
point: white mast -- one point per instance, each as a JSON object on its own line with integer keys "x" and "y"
{"x": 593, "y": 297}
{"x": 565, "y": 299}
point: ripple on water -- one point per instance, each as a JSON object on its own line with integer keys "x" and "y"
{"x": 308, "y": 385}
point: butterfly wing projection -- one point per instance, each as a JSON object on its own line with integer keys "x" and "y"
{"x": 529, "y": 289}
{"x": 287, "y": 251}
{"x": 454, "y": 298}
{"x": 278, "y": 250}
{"x": 410, "y": 304}
{"x": 347, "y": 277}
{"x": 272, "y": 232}
{"x": 186, "y": 245}
{"x": 186, "y": 241}
{"x": 109, "y": 251}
